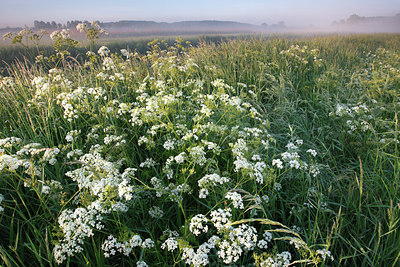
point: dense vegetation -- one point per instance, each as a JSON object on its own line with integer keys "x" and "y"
{"x": 10, "y": 53}
{"x": 249, "y": 152}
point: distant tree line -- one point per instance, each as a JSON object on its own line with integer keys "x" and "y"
{"x": 47, "y": 25}
{"x": 72, "y": 24}
{"x": 356, "y": 19}
{"x": 53, "y": 25}
{"x": 143, "y": 28}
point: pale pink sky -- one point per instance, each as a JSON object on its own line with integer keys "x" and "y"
{"x": 293, "y": 12}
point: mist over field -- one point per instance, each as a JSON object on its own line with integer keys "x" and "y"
{"x": 126, "y": 28}
{"x": 167, "y": 16}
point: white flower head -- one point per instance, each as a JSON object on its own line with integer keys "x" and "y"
{"x": 45, "y": 189}
{"x": 312, "y": 152}
{"x": 141, "y": 264}
{"x": 236, "y": 198}
{"x": 221, "y": 217}
{"x": 277, "y": 163}
{"x": 1, "y": 200}
{"x": 197, "y": 224}
{"x": 203, "y": 193}
{"x": 325, "y": 254}
{"x": 156, "y": 212}
{"x": 103, "y": 51}
{"x": 169, "y": 144}
{"x": 171, "y": 244}
{"x": 81, "y": 27}
{"x": 125, "y": 53}
{"x": 180, "y": 158}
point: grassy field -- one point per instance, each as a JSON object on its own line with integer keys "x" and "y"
{"x": 9, "y": 53}
{"x": 249, "y": 152}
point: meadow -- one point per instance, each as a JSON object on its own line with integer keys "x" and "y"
{"x": 247, "y": 152}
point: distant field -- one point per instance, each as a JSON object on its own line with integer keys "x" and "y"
{"x": 10, "y": 52}
{"x": 233, "y": 151}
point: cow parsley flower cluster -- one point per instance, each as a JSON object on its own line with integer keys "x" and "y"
{"x": 198, "y": 155}
{"x": 9, "y": 142}
{"x": 101, "y": 177}
{"x": 6, "y": 82}
{"x": 281, "y": 259}
{"x": 209, "y": 181}
{"x": 111, "y": 245}
{"x": 325, "y": 254}
{"x": 220, "y": 218}
{"x": 76, "y": 226}
{"x": 255, "y": 166}
{"x": 199, "y": 257}
{"x": 300, "y": 56}
{"x": 151, "y": 152}
{"x": 25, "y": 158}
{"x": 156, "y": 212}
{"x": 63, "y": 34}
{"x": 1, "y": 200}
{"x": 356, "y": 116}
{"x": 245, "y": 235}
{"x": 50, "y": 155}
{"x": 72, "y": 136}
{"x": 236, "y": 198}
{"x": 291, "y": 159}
{"x": 78, "y": 101}
{"x": 45, "y": 86}
{"x": 229, "y": 252}
{"x": 267, "y": 238}
{"x": 170, "y": 244}
{"x": 198, "y": 224}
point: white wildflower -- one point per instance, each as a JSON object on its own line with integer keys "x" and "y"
{"x": 125, "y": 190}
{"x": 312, "y": 152}
{"x": 50, "y": 154}
{"x": 141, "y": 264}
{"x": 198, "y": 155}
{"x": 297, "y": 243}
{"x": 277, "y": 187}
{"x": 229, "y": 252}
{"x": 147, "y": 243}
{"x": 128, "y": 172}
{"x": 148, "y": 163}
{"x": 180, "y": 158}
{"x": 203, "y": 193}
{"x": 156, "y": 212}
{"x": 281, "y": 259}
{"x": 103, "y": 51}
{"x": 111, "y": 246}
{"x": 291, "y": 146}
{"x": 236, "y": 198}
{"x": 197, "y": 224}
{"x": 325, "y": 254}
{"x": 1, "y": 200}
{"x": 169, "y": 144}
{"x": 277, "y": 163}
{"x": 81, "y": 27}
{"x": 314, "y": 170}
{"x": 171, "y": 244}
{"x": 72, "y": 135}
{"x": 45, "y": 189}
{"x": 221, "y": 217}
{"x": 245, "y": 235}
{"x": 125, "y": 53}
{"x": 294, "y": 164}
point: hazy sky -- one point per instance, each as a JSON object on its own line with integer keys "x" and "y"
{"x": 293, "y": 12}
